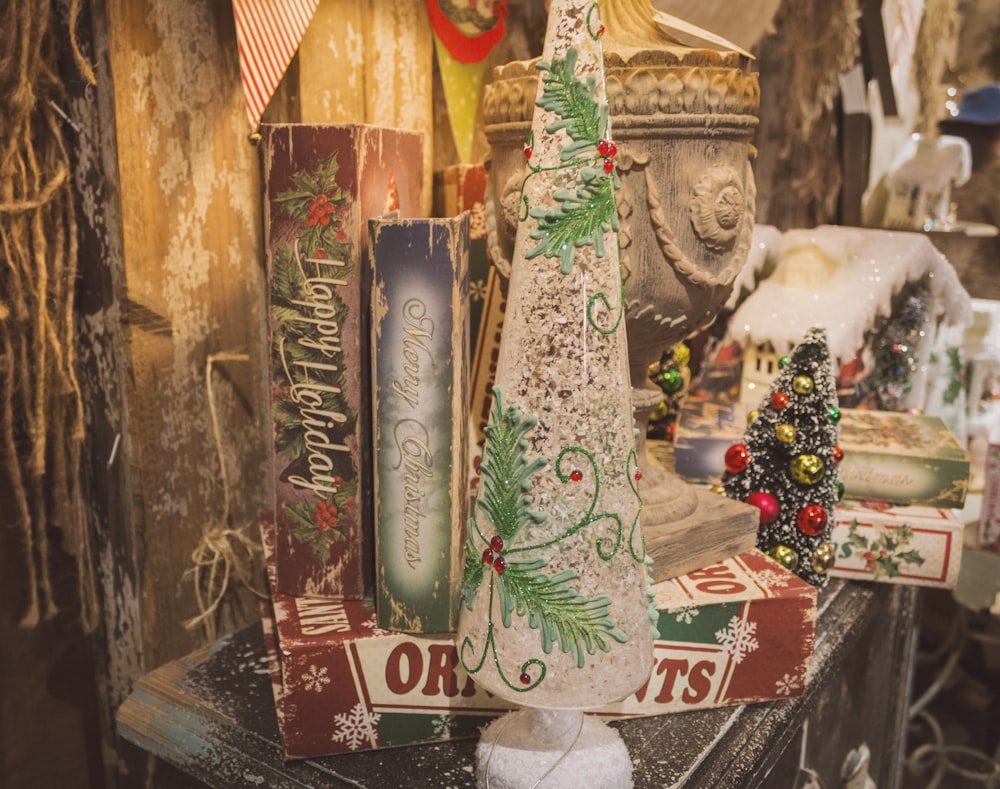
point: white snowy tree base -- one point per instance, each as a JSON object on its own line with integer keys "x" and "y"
{"x": 554, "y": 749}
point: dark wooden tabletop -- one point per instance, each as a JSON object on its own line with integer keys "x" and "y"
{"x": 209, "y": 720}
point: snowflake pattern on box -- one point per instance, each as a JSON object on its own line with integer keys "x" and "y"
{"x": 356, "y": 727}
{"x": 316, "y": 679}
{"x": 789, "y": 684}
{"x": 737, "y": 639}
{"x": 685, "y": 614}
{"x": 772, "y": 579}
{"x": 372, "y": 624}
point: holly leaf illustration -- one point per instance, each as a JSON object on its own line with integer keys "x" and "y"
{"x": 911, "y": 557}
{"x": 506, "y": 472}
{"x": 581, "y": 219}
{"x": 578, "y": 624}
{"x": 308, "y": 532}
{"x": 885, "y": 566}
{"x": 854, "y": 537}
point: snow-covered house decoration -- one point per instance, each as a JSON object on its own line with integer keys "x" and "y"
{"x": 864, "y": 287}
{"x": 915, "y": 193}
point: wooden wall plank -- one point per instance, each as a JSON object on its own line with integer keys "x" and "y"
{"x": 191, "y": 233}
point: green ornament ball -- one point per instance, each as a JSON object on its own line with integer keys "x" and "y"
{"x": 806, "y": 469}
{"x": 834, "y": 414}
{"x": 671, "y": 381}
{"x": 782, "y": 362}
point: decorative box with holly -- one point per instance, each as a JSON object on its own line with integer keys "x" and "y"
{"x": 321, "y": 185}
{"x": 919, "y": 546}
{"x": 738, "y": 632}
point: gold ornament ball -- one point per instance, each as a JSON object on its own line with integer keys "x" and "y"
{"x": 806, "y": 469}
{"x": 823, "y": 557}
{"x": 785, "y": 433}
{"x": 802, "y": 384}
{"x": 751, "y": 416}
{"x": 785, "y": 556}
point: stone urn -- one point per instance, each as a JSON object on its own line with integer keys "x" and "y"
{"x": 682, "y": 120}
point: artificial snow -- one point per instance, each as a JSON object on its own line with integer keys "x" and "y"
{"x": 849, "y": 281}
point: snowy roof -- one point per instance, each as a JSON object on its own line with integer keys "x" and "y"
{"x": 843, "y": 278}
{"x": 763, "y": 245}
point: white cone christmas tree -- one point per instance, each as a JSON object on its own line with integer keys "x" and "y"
{"x": 556, "y": 609}
{"x": 787, "y": 463}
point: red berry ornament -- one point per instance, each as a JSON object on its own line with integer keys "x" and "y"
{"x": 487, "y": 556}
{"x": 737, "y": 458}
{"x": 838, "y": 454}
{"x": 576, "y": 475}
{"x": 603, "y": 147}
{"x": 497, "y": 543}
{"x": 527, "y": 151}
{"x": 500, "y": 564}
{"x": 767, "y": 504}
{"x": 608, "y": 166}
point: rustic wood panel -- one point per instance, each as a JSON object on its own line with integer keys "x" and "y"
{"x": 190, "y": 246}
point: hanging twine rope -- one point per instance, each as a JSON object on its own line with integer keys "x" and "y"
{"x": 41, "y": 409}
{"x": 224, "y": 553}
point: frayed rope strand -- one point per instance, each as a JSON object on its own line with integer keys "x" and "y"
{"x": 223, "y": 552}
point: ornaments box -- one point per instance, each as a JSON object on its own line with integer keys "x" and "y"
{"x": 919, "y": 546}
{"x": 738, "y": 632}
{"x": 321, "y": 184}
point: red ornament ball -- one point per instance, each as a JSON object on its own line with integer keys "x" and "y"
{"x": 576, "y": 475}
{"x": 737, "y": 458}
{"x": 768, "y": 505}
{"x": 525, "y": 678}
{"x": 779, "y": 400}
{"x": 811, "y": 520}
{"x": 497, "y": 543}
{"x": 838, "y": 453}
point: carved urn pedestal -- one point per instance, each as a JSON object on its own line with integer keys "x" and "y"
{"x": 682, "y": 120}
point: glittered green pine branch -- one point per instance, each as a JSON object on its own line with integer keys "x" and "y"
{"x": 578, "y": 624}
{"x": 506, "y": 472}
{"x": 572, "y": 99}
{"x": 580, "y": 219}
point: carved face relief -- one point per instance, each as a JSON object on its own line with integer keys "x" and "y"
{"x": 718, "y": 206}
